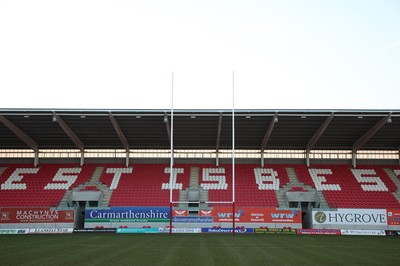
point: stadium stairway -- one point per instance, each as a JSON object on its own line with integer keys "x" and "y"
{"x": 194, "y": 184}
{"x": 396, "y": 181}
{"x": 280, "y": 196}
{"x": 2, "y": 169}
{"x": 92, "y": 183}
{"x": 322, "y": 200}
{"x": 194, "y": 176}
{"x": 293, "y": 184}
{"x": 97, "y": 173}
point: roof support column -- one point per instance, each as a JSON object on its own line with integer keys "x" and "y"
{"x": 119, "y": 132}
{"x": 22, "y": 136}
{"x": 218, "y": 139}
{"x": 36, "y": 159}
{"x": 262, "y": 159}
{"x": 267, "y": 135}
{"x": 370, "y": 133}
{"x": 82, "y": 157}
{"x": 317, "y": 135}
{"x": 354, "y": 158}
{"x": 71, "y": 134}
{"x": 127, "y": 158}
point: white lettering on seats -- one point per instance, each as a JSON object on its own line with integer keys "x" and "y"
{"x": 172, "y": 180}
{"x": 377, "y": 183}
{"x": 117, "y": 175}
{"x": 67, "y": 176}
{"x": 17, "y": 176}
{"x": 263, "y": 175}
{"x": 318, "y": 176}
{"x": 216, "y": 175}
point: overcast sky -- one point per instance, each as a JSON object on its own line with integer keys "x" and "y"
{"x": 121, "y": 54}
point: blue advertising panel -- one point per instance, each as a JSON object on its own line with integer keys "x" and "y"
{"x": 227, "y": 230}
{"x": 128, "y": 214}
{"x": 137, "y": 230}
{"x": 193, "y": 219}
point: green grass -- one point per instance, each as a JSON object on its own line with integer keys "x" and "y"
{"x": 185, "y": 249}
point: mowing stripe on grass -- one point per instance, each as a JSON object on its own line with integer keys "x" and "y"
{"x": 185, "y": 249}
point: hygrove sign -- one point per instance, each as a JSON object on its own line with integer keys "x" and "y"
{"x": 350, "y": 217}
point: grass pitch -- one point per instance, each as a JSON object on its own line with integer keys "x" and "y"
{"x": 185, "y": 249}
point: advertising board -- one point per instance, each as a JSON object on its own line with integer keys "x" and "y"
{"x": 35, "y": 215}
{"x": 180, "y": 230}
{"x": 350, "y": 217}
{"x": 94, "y": 230}
{"x": 274, "y": 231}
{"x": 137, "y": 230}
{"x": 393, "y": 217}
{"x": 392, "y": 233}
{"x": 193, "y": 219}
{"x": 51, "y": 230}
{"x": 253, "y": 215}
{"x": 363, "y": 232}
{"x": 14, "y": 231}
{"x": 227, "y": 230}
{"x": 180, "y": 213}
{"x": 128, "y": 214}
{"x": 318, "y": 232}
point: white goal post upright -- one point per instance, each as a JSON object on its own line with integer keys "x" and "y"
{"x": 172, "y": 159}
{"x": 233, "y": 152}
{"x": 172, "y": 155}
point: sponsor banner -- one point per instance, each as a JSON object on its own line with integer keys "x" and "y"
{"x": 318, "y": 232}
{"x": 363, "y": 232}
{"x": 95, "y": 230}
{"x": 180, "y": 230}
{"x": 180, "y": 213}
{"x": 131, "y": 214}
{"x": 192, "y": 219}
{"x": 274, "y": 231}
{"x": 228, "y": 230}
{"x": 350, "y": 217}
{"x": 392, "y": 233}
{"x": 35, "y": 215}
{"x": 51, "y": 230}
{"x": 393, "y": 217}
{"x": 253, "y": 215}
{"x": 13, "y": 231}
{"x": 137, "y": 230}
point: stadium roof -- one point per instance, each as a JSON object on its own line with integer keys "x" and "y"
{"x": 199, "y": 129}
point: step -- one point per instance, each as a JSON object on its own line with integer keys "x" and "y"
{"x": 292, "y": 174}
{"x": 393, "y": 176}
{"x": 194, "y": 176}
{"x": 97, "y": 173}
{"x": 2, "y": 169}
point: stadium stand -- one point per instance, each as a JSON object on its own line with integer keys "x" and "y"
{"x": 256, "y": 186}
{"x": 24, "y": 185}
{"x": 148, "y": 184}
{"x": 343, "y": 187}
{"x": 143, "y": 184}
